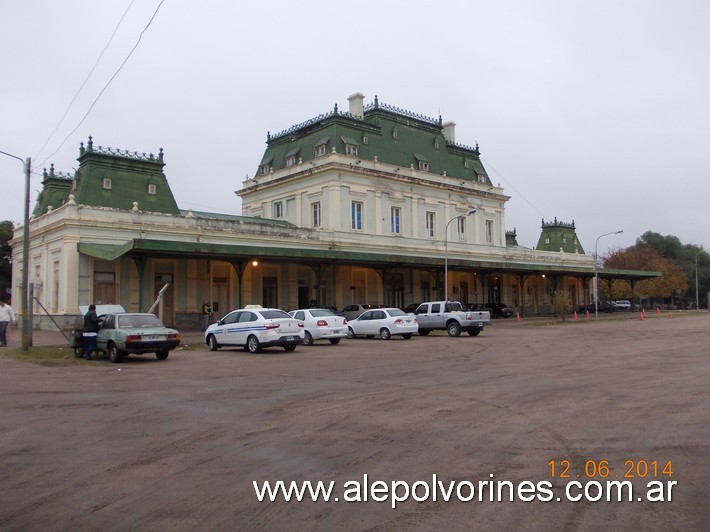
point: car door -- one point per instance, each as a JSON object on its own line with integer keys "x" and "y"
{"x": 227, "y": 328}
{"x": 105, "y": 331}
{"x": 424, "y": 318}
{"x": 378, "y": 320}
{"x": 246, "y": 326}
{"x": 363, "y": 323}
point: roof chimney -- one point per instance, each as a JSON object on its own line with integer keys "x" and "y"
{"x": 356, "y": 108}
{"x": 449, "y": 133}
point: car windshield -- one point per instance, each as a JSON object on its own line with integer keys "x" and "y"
{"x": 274, "y": 314}
{"x": 396, "y": 312}
{"x": 138, "y": 320}
{"x": 320, "y": 313}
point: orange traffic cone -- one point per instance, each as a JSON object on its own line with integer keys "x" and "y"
{"x": 658, "y": 310}
{"x": 670, "y": 314}
{"x": 642, "y": 316}
{"x": 518, "y": 317}
{"x": 643, "y": 312}
{"x": 575, "y": 316}
{"x": 588, "y": 316}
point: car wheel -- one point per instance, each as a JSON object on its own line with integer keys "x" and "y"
{"x": 212, "y": 342}
{"x": 253, "y": 345}
{"x": 385, "y": 333}
{"x": 453, "y": 328}
{"x": 351, "y": 333}
{"x": 78, "y": 352}
{"x": 473, "y": 331}
{"x": 335, "y": 341}
{"x": 424, "y": 332}
{"x": 307, "y": 338}
{"x": 114, "y": 354}
{"x": 407, "y": 336}
{"x": 162, "y": 355}
{"x": 290, "y": 347}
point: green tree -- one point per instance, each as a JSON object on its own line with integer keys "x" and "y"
{"x": 6, "y": 230}
{"x": 560, "y": 302}
{"x": 673, "y": 280}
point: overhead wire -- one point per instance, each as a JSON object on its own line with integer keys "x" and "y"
{"x": 520, "y": 194}
{"x": 108, "y": 83}
{"x": 76, "y": 95}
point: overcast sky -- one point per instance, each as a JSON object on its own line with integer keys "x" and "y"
{"x": 592, "y": 111}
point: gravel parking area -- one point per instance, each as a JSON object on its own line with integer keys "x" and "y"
{"x": 177, "y": 444}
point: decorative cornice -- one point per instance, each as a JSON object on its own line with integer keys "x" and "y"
{"x": 90, "y": 148}
{"x": 555, "y": 223}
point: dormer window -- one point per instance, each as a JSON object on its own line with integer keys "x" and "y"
{"x": 265, "y": 166}
{"x": 291, "y": 156}
{"x": 481, "y": 178}
{"x": 547, "y": 240}
{"x": 319, "y": 148}
{"x": 152, "y": 189}
{"x": 351, "y": 146}
{"x": 106, "y": 183}
{"x": 423, "y": 162}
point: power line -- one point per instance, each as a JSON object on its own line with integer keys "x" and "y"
{"x": 109, "y": 81}
{"x": 489, "y": 165}
{"x": 83, "y": 84}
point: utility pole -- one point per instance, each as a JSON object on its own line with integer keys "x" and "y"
{"x": 26, "y": 334}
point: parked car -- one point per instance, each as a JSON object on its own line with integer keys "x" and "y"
{"x": 321, "y": 323}
{"x": 409, "y": 309}
{"x": 137, "y": 333}
{"x": 353, "y": 311}
{"x": 254, "y": 329}
{"x": 622, "y": 304}
{"x": 383, "y": 322}
{"x": 499, "y": 310}
{"x": 601, "y": 306}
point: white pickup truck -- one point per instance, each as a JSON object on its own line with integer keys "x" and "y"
{"x": 452, "y": 317}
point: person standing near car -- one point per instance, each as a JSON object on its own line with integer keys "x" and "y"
{"x": 92, "y": 324}
{"x": 206, "y": 314}
{"x": 7, "y": 316}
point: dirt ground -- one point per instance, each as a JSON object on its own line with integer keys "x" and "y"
{"x": 177, "y": 444}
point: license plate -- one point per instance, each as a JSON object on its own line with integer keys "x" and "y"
{"x": 289, "y": 339}
{"x": 153, "y": 338}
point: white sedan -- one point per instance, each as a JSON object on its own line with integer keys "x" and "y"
{"x": 254, "y": 328}
{"x": 383, "y": 322}
{"x": 320, "y": 323}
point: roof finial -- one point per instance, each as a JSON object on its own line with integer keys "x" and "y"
{"x": 335, "y": 109}
{"x": 90, "y": 144}
{"x": 377, "y": 102}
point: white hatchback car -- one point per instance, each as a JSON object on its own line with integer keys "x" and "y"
{"x": 254, "y": 328}
{"x": 383, "y": 322}
{"x": 320, "y": 323}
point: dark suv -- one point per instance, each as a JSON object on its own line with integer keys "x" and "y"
{"x": 499, "y": 310}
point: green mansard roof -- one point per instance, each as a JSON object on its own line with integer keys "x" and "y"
{"x": 393, "y": 135}
{"x": 558, "y": 236}
{"x": 113, "y": 178}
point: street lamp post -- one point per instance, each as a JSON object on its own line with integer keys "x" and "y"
{"x": 596, "y": 273}
{"x": 697, "y": 293}
{"x": 27, "y": 164}
{"x": 446, "y": 250}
